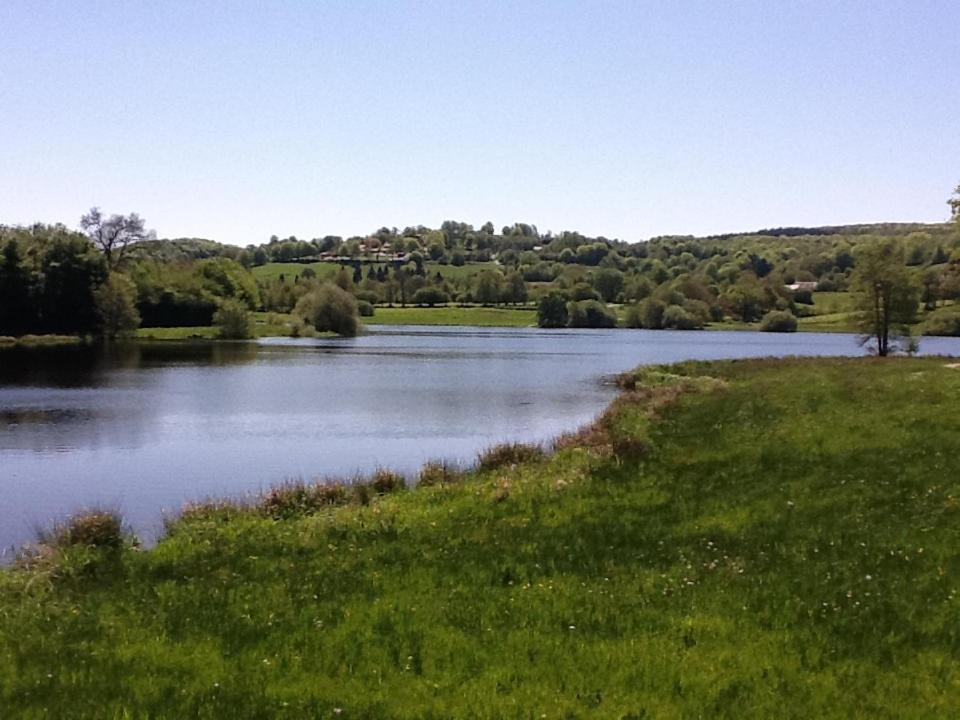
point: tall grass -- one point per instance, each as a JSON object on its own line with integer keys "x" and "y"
{"x": 785, "y": 545}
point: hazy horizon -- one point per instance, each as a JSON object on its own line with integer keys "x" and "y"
{"x": 236, "y": 121}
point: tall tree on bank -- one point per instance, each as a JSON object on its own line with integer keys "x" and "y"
{"x": 886, "y": 295}
{"x": 113, "y": 235}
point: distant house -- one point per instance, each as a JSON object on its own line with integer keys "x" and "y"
{"x": 810, "y": 286}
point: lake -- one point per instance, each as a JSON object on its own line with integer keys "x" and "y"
{"x": 145, "y": 427}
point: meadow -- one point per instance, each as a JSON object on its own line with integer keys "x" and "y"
{"x": 739, "y": 539}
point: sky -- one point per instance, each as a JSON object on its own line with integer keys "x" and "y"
{"x": 239, "y": 120}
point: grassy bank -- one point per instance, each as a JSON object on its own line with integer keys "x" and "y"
{"x": 41, "y": 341}
{"x": 750, "y": 539}
{"x": 265, "y": 325}
{"x": 454, "y": 315}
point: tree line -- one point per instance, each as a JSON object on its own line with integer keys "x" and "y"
{"x": 113, "y": 275}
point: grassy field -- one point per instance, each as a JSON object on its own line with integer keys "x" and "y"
{"x": 453, "y": 315}
{"x": 736, "y": 540}
{"x": 266, "y": 325}
{"x": 272, "y": 271}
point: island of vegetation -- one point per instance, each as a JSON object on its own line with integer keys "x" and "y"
{"x": 113, "y": 278}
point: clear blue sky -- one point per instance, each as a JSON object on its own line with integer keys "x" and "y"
{"x": 237, "y": 120}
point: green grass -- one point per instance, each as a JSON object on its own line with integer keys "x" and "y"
{"x": 452, "y": 272}
{"x": 780, "y": 541}
{"x": 267, "y": 325}
{"x": 272, "y": 271}
{"x": 454, "y": 315}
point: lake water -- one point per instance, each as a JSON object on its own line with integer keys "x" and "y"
{"x": 146, "y": 427}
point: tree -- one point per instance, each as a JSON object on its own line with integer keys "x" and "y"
{"x": 487, "y": 287}
{"x": 590, "y": 314}
{"x": 552, "y": 311}
{"x": 515, "y": 290}
{"x": 954, "y": 204}
{"x": 330, "y": 308}
{"x": 233, "y": 320}
{"x": 887, "y": 297}
{"x": 113, "y": 235}
{"x": 17, "y": 314}
{"x": 782, "y": 321}
{"x": 116, "y": 301}
{"x": 608, "y": 282}
{"x": 430, "y": 296}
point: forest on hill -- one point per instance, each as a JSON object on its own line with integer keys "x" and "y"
{"x": 113, "y": 276}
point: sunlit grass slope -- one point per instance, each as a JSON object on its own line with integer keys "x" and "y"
{"x": 783, "y": 541}
{"x": 454, "y": 315}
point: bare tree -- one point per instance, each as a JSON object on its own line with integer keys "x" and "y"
{"x": 115, "y": 234}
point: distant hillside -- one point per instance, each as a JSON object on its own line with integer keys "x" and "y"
{"x": 179, "y": 249}
{"x": 881, "y": 229}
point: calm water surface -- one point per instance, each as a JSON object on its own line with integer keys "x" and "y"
{"x": 146, "y": 427}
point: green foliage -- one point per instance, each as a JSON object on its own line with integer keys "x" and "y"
{"x": 887, "y": 295}
{"x": 233, "y": 321}
{"x": 329, "y": 308}
{"x": 365, "y": 308}
{"x": 649, "y": 314}
{"x": 608, "y": 283}
{"x": 17, "y": 313}
{"x": 552, "y": 311}
{"x": 590, "y": 314}
{"x": 430, "y": 296}
{"x": 48, "y": 274}
{"x": 675, "y": 317}
{"x": 228, "y": 279}
{"x": 116, "y": 305}
{"x": 781, "y": 321}
{"x": 944, "y": 321}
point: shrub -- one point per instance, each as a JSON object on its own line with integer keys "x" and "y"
{"x": 369, "y": 295}
{"x": 633, "y": 317}
{"x": 94, "y": 528}
{"x": 330, "y": 308}
{"x": 552, "y": 311}
{"x": 233, "y": 320}
{"x": 651, "y": 314}
{"x": 508, "y": 454}
{"x": 430, "y": 297}
{"x": 582, "y": 291}
{"x": 385, "y": 481}
{"x": 590, "y": 314}
{"x": 699, "y": 310}
{"x": 677, "y": 318}
{"x": 778, "y": 321}
{"x": 945, "y": 321}
{"x": 364, "y": 308}
{"x": 116, "y": 301}
{"x": 438, "y": 472}
{"x": 298, "y": 498}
